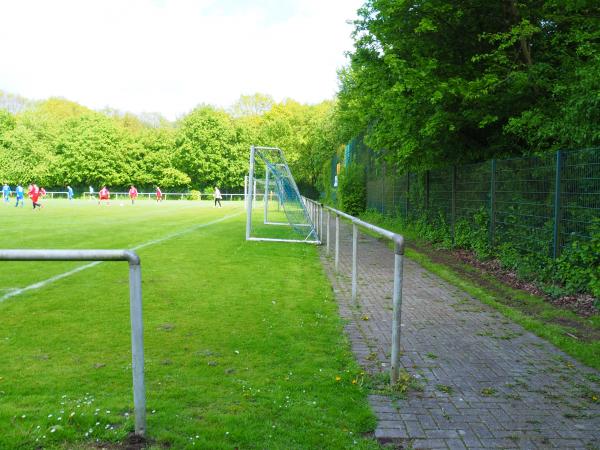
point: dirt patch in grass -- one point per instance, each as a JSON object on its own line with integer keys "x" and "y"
{"x": 490, "y": 276}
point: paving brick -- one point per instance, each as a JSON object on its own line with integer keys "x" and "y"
{"x": 498, "y": 377}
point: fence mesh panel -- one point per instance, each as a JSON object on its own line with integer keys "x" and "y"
{"x": 537, "y": 204}
{"x": 580, "y": 194}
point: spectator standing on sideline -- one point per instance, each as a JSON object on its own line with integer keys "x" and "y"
{"x": 70, "y": 193}
{"x": 6, "y": 193}
{"x": 158, "y": 195}
{"x": 217, "y": 196}
{"x": 104, "y": 195}
{"x": 133, "y": 193}
{"x": 19, "y": 194}
{"x": 91, "y": 192}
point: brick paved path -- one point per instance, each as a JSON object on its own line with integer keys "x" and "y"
{"x": 487, "y": 382}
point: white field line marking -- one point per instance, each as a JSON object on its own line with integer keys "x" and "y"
{"x": 41, "y": 284}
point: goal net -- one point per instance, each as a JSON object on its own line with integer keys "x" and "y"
{"x": 275, "y": 209}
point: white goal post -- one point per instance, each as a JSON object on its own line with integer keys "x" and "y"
{"x": 283, "y": 206}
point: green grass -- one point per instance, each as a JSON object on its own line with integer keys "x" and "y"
{"x": 243, "y": 343}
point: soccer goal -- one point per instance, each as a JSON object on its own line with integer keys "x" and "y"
{"x": 274, "y": 207}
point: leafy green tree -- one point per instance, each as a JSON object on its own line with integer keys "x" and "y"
{"x": 445, "y": 81}
{"x": 207, "y": 149}
{"x": 92, "y": 150}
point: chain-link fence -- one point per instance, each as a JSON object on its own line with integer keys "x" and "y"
{"x": 538, "y": 204}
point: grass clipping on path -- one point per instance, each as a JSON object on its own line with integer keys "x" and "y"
{"x": 243, "y": 344}
{"x": 558, "y": 326}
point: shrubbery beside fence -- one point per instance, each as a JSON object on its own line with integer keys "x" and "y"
{"x": 539, "y": 215}
{"x": 539, "y": 204}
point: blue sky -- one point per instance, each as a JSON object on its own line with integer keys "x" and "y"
{"x": 168, "y": 56}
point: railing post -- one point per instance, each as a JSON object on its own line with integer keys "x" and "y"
{"x": 557, "y": 206}
{"x": 328, "y": 227}
{"x": 337, "y": 242}
{"x": 137, "y": 347}
{"x": 493, "y": 204}
{"x": 320, "y": 222}
{"x": 354, "y": 260}
{"x": 317, "y": 224}
{"x": 397, "y": 313}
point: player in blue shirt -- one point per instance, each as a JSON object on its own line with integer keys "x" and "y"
{"x": 70, "y": 193}
{"x": 6, "y": 193}
{"x": 19, "y": 194}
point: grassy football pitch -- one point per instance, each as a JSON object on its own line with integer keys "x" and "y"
{"x": 243, "y": 344}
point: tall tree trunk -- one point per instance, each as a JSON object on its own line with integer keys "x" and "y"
{"x": 525, "y": 49}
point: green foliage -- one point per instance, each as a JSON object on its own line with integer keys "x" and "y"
{"x": 578, "y": 268}
{"x": 69, "y": 370}
{"x": 575, "y": 271}
{"x": 207, "y": 149}
{"x": 325, "y": 184}
{"x": 58, "y": 142}
{"x": 474, "y": 234}
{"x": 352, "y": 189}
{"x": 450, "y": 81}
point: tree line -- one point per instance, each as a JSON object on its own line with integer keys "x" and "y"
{"x": 441, "y": 82}
{"x": 56, "y": 142}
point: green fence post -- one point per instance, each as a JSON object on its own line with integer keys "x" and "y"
{"x": 427, "y": 192}
{"x": 394, "y": 172}
{"x": 555, "y": 231}
{"x": 493, "y": 204}
{"x": 383, "y": 174}
{"x": 407, "y": 193}
{"x": 453, "y": 212}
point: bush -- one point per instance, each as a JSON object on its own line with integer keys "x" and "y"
{"x": 578, "y": 268}
{"x": 575, "y": 271}
{"x": 352, "y": 189}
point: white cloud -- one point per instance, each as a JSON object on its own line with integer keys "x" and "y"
{"x": 170, "y": 55}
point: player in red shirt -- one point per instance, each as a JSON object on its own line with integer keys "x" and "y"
{"x": 133, "y": 193}
{"x": 104, "y": 195}
{"x": 158, "y": 195}
{"x": 34, "y": 195}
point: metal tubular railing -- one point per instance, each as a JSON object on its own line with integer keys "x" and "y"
{"x": 316, "y": 210}
{"x": 135, "y": 306}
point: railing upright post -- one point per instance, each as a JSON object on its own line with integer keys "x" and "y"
{"x": 354, "y": 260}
{"x": 397, "y": 313}
{"x": 316, "y": 221}
{"x": 320, "y": 222}
{"x": 137, "y": 347}
{"x": 337, "y": 242}
{"x": 328, "y": 227}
